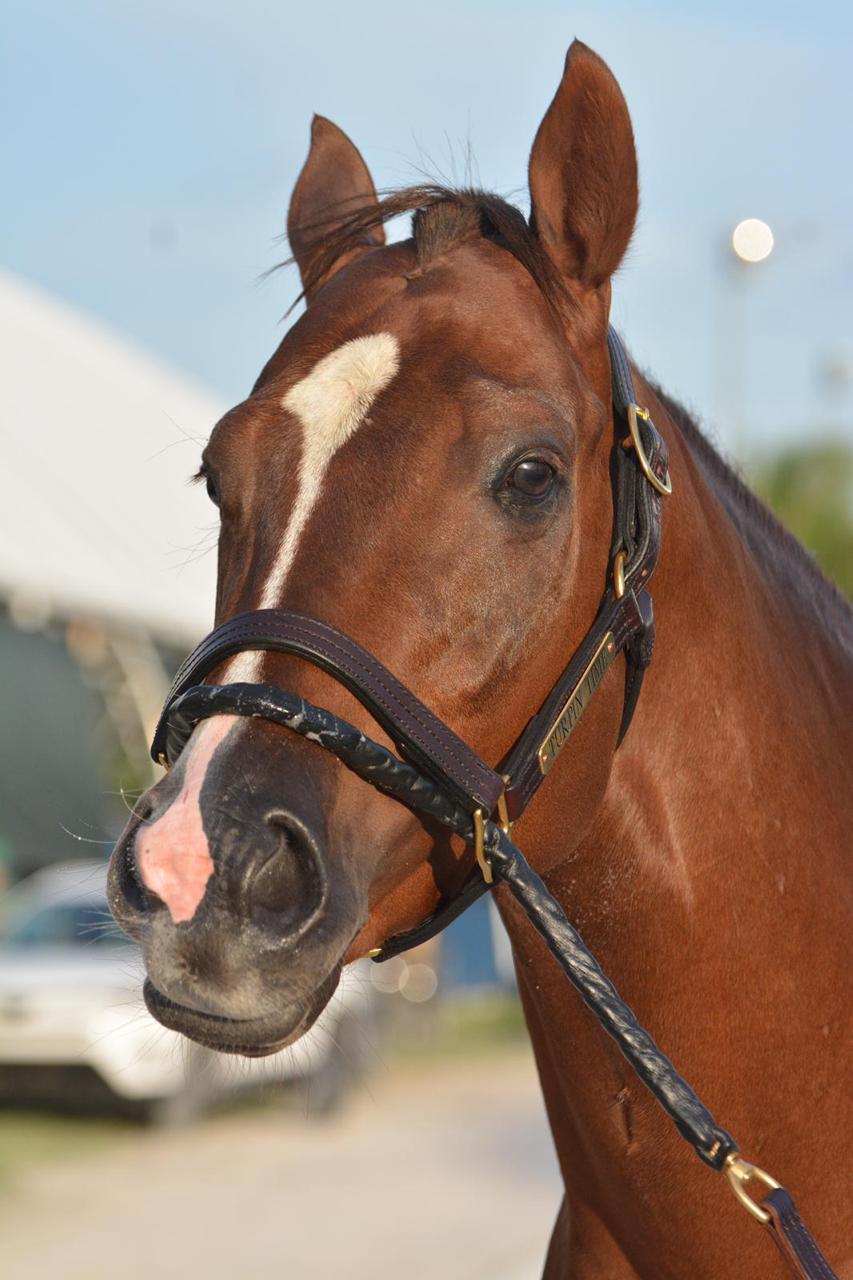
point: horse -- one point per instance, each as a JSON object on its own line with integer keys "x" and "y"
{"x": 426, "y": 463}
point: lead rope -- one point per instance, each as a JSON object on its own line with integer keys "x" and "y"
{"x": 499, "y": 857}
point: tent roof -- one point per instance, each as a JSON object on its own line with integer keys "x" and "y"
{"x": 95, "y": 512}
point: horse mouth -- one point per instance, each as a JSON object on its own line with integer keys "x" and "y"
{"x": 246, "y": 1037}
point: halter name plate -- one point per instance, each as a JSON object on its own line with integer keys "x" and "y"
{"x": 576, "y": 704}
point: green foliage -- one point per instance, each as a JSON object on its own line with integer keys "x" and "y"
{"x": 810, "y": 489}
{"x": 460, "y": 1026}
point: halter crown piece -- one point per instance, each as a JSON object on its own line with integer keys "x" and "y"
{"x": 437, "y": 774}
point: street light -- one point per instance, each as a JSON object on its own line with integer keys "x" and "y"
{"x": 752, "y": 240}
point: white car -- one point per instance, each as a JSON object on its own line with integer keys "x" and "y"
{"x": 73, "y": 1024}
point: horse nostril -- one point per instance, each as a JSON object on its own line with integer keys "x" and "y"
{"x": 136, "y": 896}
{"x": 288, "y": 890}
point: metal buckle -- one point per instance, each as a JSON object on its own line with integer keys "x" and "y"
{"x": 619, "y": 574}
{"x": 479, "y": 820}
{"x": 740, "y": 1173}
{"x": 163, "y": 762}
{"x": 634, "y": 441}
{"x": 504, "y": 821}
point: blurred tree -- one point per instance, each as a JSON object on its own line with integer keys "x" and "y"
{"x": 810, "y": 489}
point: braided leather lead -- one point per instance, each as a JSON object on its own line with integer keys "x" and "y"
{"x": 691, "y": 1117}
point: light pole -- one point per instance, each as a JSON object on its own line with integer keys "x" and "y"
{"x": 751, "y": 243}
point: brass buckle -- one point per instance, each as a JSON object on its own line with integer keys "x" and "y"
{"x": 504, "y": 821}
{"x": 619, "y": 574}
{"x": 479, "y": 820}
{"x": 163, "y": 762}
{"x": 634, "y": 441}
{"x": 740, "y": 1173}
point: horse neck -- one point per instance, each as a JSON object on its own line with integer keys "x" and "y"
{"x": 701, "y": 880}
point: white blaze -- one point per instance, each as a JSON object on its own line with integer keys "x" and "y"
{"x": 331, "y": 402}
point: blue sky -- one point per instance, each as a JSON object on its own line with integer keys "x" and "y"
{"x": 151, "y": 149}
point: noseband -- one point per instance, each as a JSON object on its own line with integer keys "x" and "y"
{"x": 438, "y": 775}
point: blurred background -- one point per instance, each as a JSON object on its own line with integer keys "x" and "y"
{"x": 150, "y": 150}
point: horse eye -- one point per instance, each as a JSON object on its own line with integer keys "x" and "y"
{"x": 533, "y": 477}
{"x": 212, "y": 491}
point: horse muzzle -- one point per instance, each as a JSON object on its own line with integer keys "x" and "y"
{"x": 228, "y": 891}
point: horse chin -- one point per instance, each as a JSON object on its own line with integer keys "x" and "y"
{"x": 245, "y": 1037}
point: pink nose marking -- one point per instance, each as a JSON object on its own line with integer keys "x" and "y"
{"x": 172, "y": 853}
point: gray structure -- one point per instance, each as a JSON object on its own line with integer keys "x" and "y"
{"x": 104, "y": 578}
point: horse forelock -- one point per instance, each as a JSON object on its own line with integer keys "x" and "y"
{"x": 442, "y": 217}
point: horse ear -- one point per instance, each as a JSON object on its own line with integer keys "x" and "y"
{"x": 334, "y": 183}
{"x": 583, "y": 174}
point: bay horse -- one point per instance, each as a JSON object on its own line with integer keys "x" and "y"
{"x": 425, "y": 462}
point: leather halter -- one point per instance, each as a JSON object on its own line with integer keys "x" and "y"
{"x": 624, "y": 623}
{"x": 443, "y": 778}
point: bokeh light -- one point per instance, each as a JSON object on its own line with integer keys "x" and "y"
{"x": 752, "y": 240}
{"x": 421, "y": 983}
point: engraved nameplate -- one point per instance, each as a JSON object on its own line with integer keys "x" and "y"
{"x": 577, "y": 703}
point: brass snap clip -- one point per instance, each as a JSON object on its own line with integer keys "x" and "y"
{"x": 634, "y": 441}
{"x": 740, "y": 1174}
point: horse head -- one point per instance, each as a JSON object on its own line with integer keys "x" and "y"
{"x": 425, "y": 464}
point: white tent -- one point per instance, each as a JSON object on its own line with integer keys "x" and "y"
{"x": 96, "y": 516}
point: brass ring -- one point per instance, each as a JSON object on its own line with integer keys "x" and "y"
{"x": 635, "y": 442}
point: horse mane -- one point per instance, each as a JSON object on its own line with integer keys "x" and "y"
{"x": 772, "y": 541}
{"x": 445, "y": 216}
